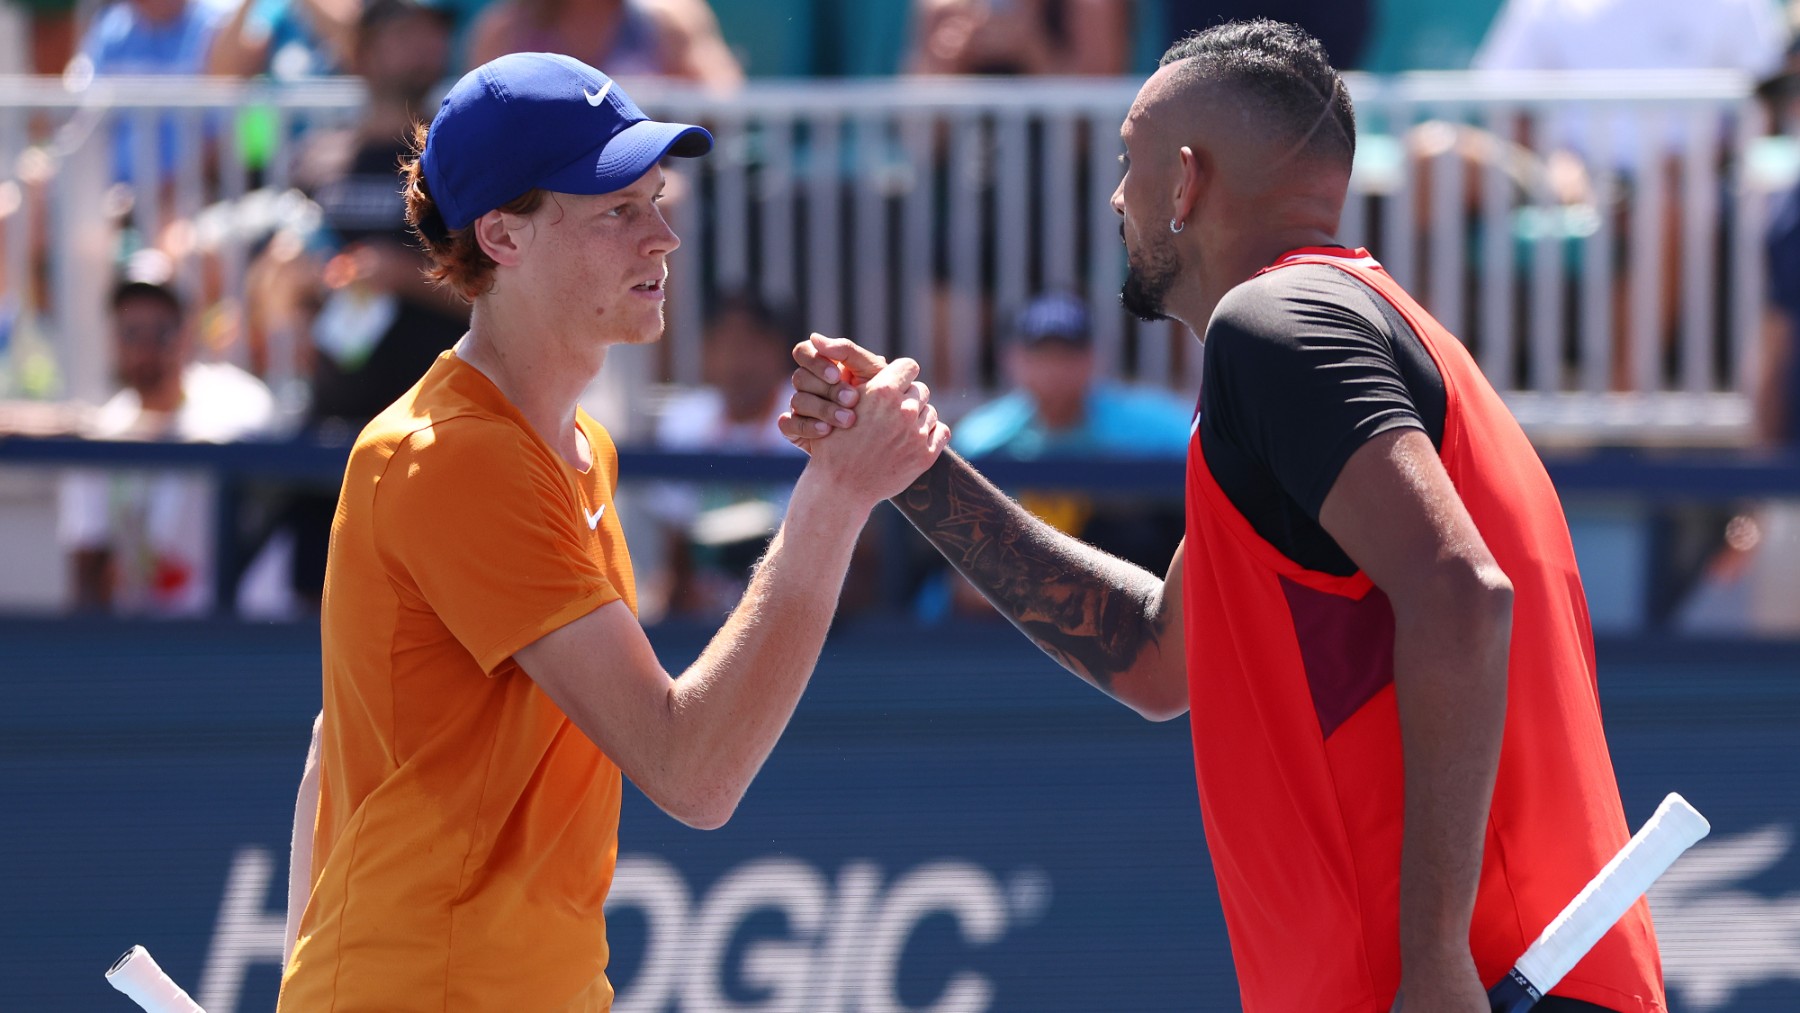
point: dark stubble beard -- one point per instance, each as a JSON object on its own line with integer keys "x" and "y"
{"x": 1148, "y": 278}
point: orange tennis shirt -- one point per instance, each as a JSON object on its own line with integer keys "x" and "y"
{"x": 467, "y": 830}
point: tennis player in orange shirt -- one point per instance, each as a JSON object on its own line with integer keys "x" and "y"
{"x": 486, "y": 681}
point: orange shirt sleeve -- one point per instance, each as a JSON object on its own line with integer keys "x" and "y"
{"x": 475, "y": 522}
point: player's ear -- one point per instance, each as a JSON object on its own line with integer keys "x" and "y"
{"x": 1195, "y": 167}
{"x": 503, "y": 237}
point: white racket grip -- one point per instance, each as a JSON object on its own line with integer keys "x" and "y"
{"x": 138, "y": 976}
{"x": 1673, "y": 829}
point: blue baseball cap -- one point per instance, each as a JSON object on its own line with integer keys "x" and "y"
{"x": 1054, "y": 316}
{"x": 541, "y": 120}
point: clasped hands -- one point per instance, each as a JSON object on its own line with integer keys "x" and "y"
{"x": 838, "y": 384}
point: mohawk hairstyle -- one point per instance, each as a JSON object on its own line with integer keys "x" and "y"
{"x": 1284, "y": 73}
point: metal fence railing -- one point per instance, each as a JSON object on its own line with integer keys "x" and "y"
{"x": 1612, "y": 295}
{"x": 1638, "y": 496}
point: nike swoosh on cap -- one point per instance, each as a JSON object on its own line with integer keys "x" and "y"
{"x": 594, "y": 99}
{"x": 593, "y": 519}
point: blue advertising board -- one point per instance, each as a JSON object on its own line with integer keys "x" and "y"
{"x": 950, "y": 824}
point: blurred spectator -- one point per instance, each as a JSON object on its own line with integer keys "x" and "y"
{"x": 1343, "y": 27}
{"x": 1426, "y": 35}
{"x": 49, "y": 29}
{"x": 1778, "y": 384}
{"x": 1021, "y": 37}
{"x": 1744, "y": 35}
{"x": 624, "y": 38}
{"x": 141, "y": 543}
{"x": 712, "y": 534}
{"x": 1750, "y": 577}
{"x": 148, "y": 37}
{"x": 1058, "y": 409}
{"x": 999, "y": 37}
{"x": 464, "y": 14}
{"x": 152, "y": 37}
{"x": 1583, "y": 35}
{"x": 262, "y": 323}
{"x": 286, "y": 39}
{"x": 380, "y": 323}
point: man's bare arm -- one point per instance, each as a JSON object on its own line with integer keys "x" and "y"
{"x": 232, "y": 53}
{"x": 1397, "y": 516}
{"x": 693, "y": 744}
{"x": 1112, "y": 623}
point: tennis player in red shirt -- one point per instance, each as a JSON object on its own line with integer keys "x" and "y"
{"x": 1375, "y": 620}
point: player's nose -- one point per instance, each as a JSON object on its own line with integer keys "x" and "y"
{"x": 662, "y": 239}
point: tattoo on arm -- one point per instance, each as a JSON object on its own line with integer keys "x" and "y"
{"x": 1092, "y": 613}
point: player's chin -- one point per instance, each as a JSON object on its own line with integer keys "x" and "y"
{"x": 648, "y": 330}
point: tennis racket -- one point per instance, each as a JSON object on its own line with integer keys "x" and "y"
{"x": 1672, "y": 830}
{"x": 138, "y": 976}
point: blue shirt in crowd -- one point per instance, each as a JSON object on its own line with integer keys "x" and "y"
{"x": 122, "y": 41}
{"x": 1118, "y": 422}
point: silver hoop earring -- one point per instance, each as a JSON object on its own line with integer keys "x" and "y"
{"x": 1176, "y": 227}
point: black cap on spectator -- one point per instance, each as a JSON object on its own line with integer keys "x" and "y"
{"x": 147, "y": 272}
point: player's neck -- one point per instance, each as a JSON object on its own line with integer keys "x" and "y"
{"x": 522, "y": 362}
{"x": 1267, "y": 249}
{"x": 1273, "y": 223}
{"x": 1238, "y": 261}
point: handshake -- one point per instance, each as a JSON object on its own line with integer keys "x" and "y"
{"x": 839, "y": 383}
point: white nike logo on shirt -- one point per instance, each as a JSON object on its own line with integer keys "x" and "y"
{"x": 594, "y": 99}
{"x": 594, "y": 518}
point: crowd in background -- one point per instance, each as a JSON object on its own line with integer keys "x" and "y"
{"x": 345, "y": 299}
{"x": 721, "y": 42}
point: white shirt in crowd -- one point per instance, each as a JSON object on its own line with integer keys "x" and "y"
{"x": 694, "y": 421}
{"x": 160, "y": 525}
{"x": 1743, "y": 35}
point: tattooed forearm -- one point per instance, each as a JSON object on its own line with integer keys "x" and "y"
{"x": 1091, "y": 612}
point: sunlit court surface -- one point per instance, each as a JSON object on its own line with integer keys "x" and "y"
{"x": 1556, "y": 246}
